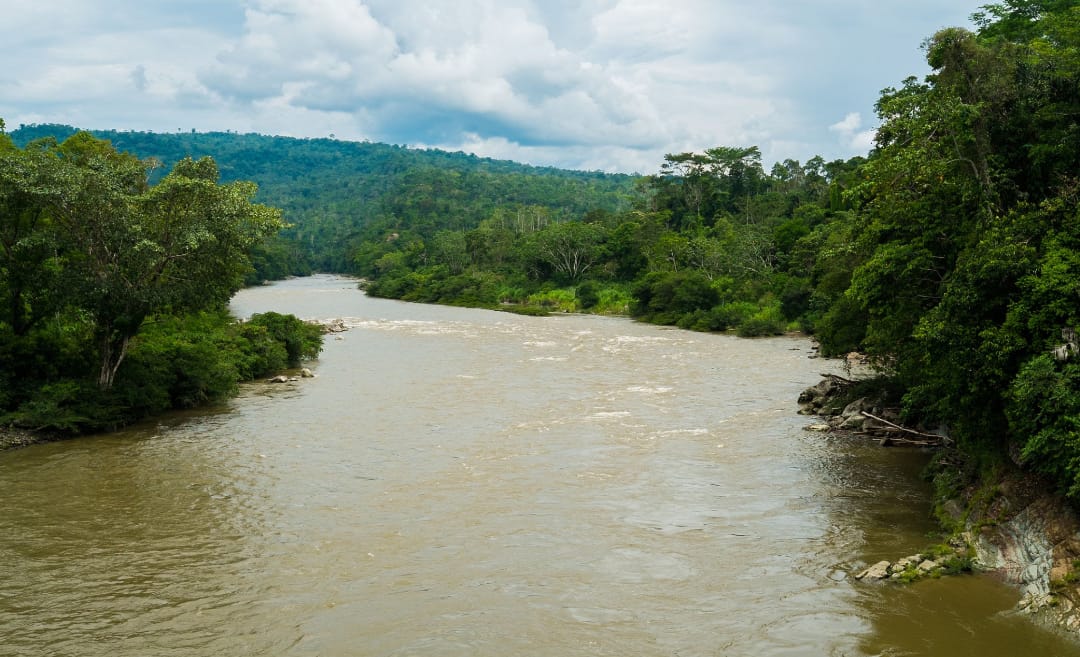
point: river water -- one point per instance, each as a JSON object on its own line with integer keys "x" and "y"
{"x": 473, "y": 483}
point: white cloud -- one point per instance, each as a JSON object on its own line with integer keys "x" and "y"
{"x": 610, "y": 84}
{"x": 852, "y": 136}
{"x": 641, "y": 79}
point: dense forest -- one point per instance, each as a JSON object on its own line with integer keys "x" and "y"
{"x": 113, "y": 290}
{"x": 948, "y": 254}
{"x": 330, "y": 190}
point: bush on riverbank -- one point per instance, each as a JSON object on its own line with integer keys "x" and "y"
{"x": 176, "y": 362}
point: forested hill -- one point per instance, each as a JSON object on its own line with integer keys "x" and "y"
{"x": 950, "y": 254}
{"x": 330, "y": 191}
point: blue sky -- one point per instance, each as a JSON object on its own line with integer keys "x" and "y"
{"x": 589, "y": 84}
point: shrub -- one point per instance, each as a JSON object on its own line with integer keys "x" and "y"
{"x": 588, "y": 295}
{"x": 613, "y": 301}
{"x": 63, "y": 406}
{"x": 301, "y": 339}
{"x": 556, "y": 300}
{"x": 670, "y": 295}
{"x": 766, "y": 321}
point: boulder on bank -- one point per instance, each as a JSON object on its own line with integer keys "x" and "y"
{"x": 868, "y": 415}
{"x": 919, "y": 566}
{"x": 813, "y": 400}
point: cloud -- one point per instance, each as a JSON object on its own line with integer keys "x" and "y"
{"x": 851, "y": 136}
{"x": 609, "y": 84}
{"x": 486, "y": 68}
{"x": 638, "y": 76}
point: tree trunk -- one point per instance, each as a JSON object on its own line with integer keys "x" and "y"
{"x": 113, "y": 350}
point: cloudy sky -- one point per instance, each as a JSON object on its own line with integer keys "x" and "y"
{"x": 592, "y": 84}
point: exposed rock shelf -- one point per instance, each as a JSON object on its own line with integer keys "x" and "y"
{"x": 1013, "y": 527}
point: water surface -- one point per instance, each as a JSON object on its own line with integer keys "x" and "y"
{"x": 466, "y": 482}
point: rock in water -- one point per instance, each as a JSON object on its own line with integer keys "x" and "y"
{"x": 880, "y": 570}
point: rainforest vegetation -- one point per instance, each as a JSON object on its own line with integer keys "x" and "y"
{"x": 950, "y": 253}
{"x": 113, "y": 290}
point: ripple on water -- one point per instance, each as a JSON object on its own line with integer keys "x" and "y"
{"x": 434, "y": 492}
{"x": 636, "y": 565}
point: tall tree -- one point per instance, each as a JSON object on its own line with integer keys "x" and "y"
{"x": 136, "y": 250}
{"x": 967, "y": 229}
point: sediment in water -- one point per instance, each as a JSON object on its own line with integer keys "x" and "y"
{"x": 1002, "y": 520}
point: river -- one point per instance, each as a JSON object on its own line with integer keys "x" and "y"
{"x": 473, "y": 483}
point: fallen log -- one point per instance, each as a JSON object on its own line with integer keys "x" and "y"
{"x": 933, "y": 437}
{"x": 837, "y": 378}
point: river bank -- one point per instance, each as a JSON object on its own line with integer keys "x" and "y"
{"x": 996, "y": 519}
{"x": 466, "y": 482}
{"x": 12, "y": 438}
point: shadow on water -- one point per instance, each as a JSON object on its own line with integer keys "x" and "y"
{"x": 881, "y": 497}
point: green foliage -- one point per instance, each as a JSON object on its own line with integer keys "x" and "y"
{"x": 962, "y": 263}
{"x": 612, "y": 300}
{"x": 588, "y": 295}
{"x": 1044, "y": 408}
{"x": 82, "y": 232}
{"x": 180, "y": 362}
{"x": 768, "y": 320}
{"x": 276, "y": 258}
{"x": 338, "y": 196}
{"x": 664, "y": 297}
{"x": 560, "y": 300}
{"x": 177, "y": 361}
{"x": 107, "y": 278}
{"x": 61, "y": 406}
{"x": 301, "y": 340}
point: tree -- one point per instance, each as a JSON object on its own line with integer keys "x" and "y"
{"x": 448, "y": 248}
{"x": 570, "y": 248}
{"x": 29, "y": 257}
{"x": 136, "y": 250}
{"x": 967, "y": 232}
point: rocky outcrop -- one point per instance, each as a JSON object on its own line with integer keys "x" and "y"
{"x": 947, "y": 561}
{"x": 305, "y": 373}
{"x": 880, "y": 570}
{"x": 13, "y": 438}
{"x": 835, "y": 400}
{"x": 820, "y": 399}
{"x": 1036, "y": 547}
{"x": 334, "y": 325}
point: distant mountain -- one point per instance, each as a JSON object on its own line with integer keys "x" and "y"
{"x": 333, "y": 191}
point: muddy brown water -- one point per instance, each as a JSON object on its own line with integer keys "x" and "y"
{"x": 465, "y": 482}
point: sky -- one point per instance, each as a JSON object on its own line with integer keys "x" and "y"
{"x": 610, "y": 85}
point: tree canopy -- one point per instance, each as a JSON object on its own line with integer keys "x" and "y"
{"x": 967, "y": 233}
{"x": 91, "y": 251}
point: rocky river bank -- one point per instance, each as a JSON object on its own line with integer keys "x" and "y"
{"x": 13, "y": 438}
{"x": 1008, "y": 523}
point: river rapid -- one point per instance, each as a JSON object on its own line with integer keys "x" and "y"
{"x": 473, "y": 483}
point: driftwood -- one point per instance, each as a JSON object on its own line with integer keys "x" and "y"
{"x": 838, "y": 379}
{"x": 930, "y": 438}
